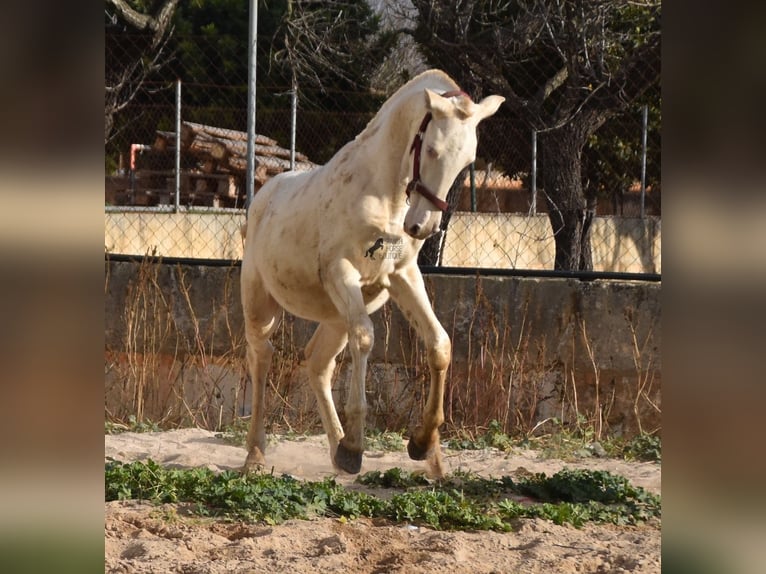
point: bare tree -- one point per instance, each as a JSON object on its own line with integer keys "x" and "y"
{"x": 127, "y": 70}
{"x": 331, "y": 42}
{"x": 565, "y": 67}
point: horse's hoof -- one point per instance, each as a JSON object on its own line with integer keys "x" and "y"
{"x": 254, "y": 462}
{"x": 416, "y": 451}
{"x": 348, "y": 460}
{"x": 248, "y": 468}
{"x": 435, "y": 465}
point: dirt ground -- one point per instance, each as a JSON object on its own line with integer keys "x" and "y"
{"x": 143, "y": 538}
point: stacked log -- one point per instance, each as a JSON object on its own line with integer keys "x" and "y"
{"x": 222, "y": 151}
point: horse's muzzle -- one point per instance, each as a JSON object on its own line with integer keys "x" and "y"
{"x": 422, "y": 232}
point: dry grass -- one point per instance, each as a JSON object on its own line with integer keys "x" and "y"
{"x": 161, "y": 376}
{"x": 505, "y": 373}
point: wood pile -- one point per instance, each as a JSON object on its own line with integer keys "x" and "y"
{"x": 213, "y": 168}
{"x": 224, "y": 151}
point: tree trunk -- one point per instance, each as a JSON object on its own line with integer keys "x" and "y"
{"x": 569, "y": 212}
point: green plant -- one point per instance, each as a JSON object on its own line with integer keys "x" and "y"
{"x": 569, "y": 496}
{"x": 494, "y": 437}
{"x": 392, "y": 478}
{"x": 236, "y": 432}
{"x": 569, "y": 441}
{"x": 644, "y": 447}
{"x": 133, "y": 425}
{"x": 461, "y": 501}
{"x": 387, "y": 441}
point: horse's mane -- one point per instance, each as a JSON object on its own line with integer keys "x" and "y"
{"x": 433, "y": 79}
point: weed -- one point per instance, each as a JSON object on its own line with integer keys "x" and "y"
{"x": 392, "y": 478}
{"x": 561, "y": 442}
{"x": 644, "y": 447}
{"x": 494, "y": 437}
{"x": 386, "y": 441}
{"x": 133, "y": 425}
{"x": 462, "y": 501}
{"x": 236, "y": 432}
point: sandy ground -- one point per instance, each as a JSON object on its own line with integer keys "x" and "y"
{"x": 143, "y": 538}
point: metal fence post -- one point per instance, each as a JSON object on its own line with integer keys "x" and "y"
{"x": 251, "y": 73}
{"x": 643, "y": 158}
{"x": 177, "y": 198}
{"x": 533, "y": 183}
{"x": 293, "y": 121}
{"x": 473, "y": 187}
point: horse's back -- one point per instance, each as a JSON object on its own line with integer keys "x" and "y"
{"x": 280, "y": 186}
{"x": 282, "y": 245}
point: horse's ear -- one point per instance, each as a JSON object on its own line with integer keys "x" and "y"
{"x": 488, "y": 106}
{"x": 438, "y": 105}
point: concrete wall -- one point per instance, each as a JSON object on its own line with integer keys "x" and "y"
{"x": 524, "y": 350}
{"x": 512, "y": 241}
{"x": 196, "y": 235}
{"x": 488, "y": 240}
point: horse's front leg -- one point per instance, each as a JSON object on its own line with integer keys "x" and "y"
{"x": 343, "y": 284}
{"x": 409, "y": 292}
{"x": 328, "y": 341}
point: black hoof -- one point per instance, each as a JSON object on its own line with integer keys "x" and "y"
{"x": 348, "y": 460}
{"x": 416, "y": 451}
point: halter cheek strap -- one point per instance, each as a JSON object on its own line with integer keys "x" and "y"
{"x": 417, "y": 144}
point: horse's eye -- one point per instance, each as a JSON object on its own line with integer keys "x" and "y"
{"x": 432, "y": 153}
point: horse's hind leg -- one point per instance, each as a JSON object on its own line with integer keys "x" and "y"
{"x": 261, "y": 315}
{"x": 409, "y": 293}
{"x": 325, "y": 345}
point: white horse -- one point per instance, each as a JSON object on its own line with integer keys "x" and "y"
{"x": 332, "y": 244}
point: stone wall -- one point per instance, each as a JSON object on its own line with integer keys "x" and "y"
{"x": 524, "y": 351}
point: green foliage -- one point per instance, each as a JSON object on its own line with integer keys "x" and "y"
{"x": 392, "y": 478}
{"x": 606, "y": 497}
{"x": 235, "y": 433}
{"x": 612, "y": 156}
{"x": 133, "y": 425}
{"x": 579, "y": 486}
{"x": 564, "y": 442}
{"x": 495, "y": 437}
{"x": 387, "y": 441}
{"x": 254, "y": 496}
{"x": 571, "y": 441}
{"x": 644, "y": 447}
{"x": 326, "y": 45}
{"x": 443, "y": 510}
{"x": 460, "y": 502}
{"x": 564, "y": 513}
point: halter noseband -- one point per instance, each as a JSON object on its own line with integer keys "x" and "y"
{"x": 415, "y": 183}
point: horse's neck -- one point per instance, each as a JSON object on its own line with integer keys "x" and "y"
{"x": 389, "y": 147}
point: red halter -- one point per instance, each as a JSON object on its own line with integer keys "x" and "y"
{"x": 416, "y": 184}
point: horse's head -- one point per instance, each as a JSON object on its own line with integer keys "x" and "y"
{"x": 445, "y": 144}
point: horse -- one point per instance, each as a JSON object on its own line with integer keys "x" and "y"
{"x": 306, "y": 242}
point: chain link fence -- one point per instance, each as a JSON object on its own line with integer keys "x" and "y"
{"x": 175, "y": 149}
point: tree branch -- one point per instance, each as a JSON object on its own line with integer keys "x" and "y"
{"x": 157, "y": 24}
{"x": 635, "y": 76}
{"x": 553, "y": 84}
{"x": 122, "y": 85}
